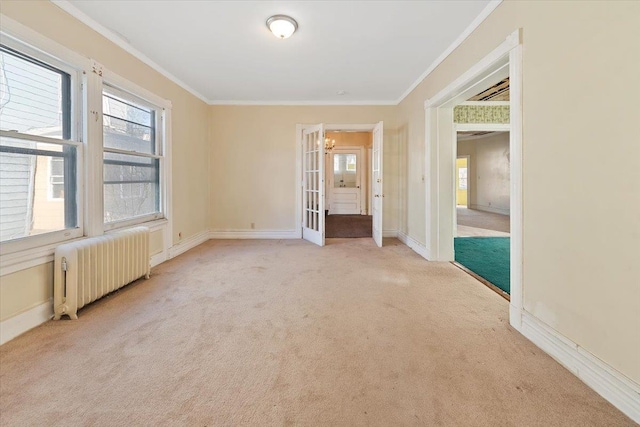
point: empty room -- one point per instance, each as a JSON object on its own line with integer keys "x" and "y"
{"x": 218, "y": 213}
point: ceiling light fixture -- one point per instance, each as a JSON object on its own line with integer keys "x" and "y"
{"x": 282, "y": 26}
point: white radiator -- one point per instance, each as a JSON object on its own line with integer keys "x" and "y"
{"x": 91, "y": 268}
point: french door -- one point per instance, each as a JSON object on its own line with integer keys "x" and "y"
{"x": 376, "y": 178}
{"x": 313, "y": 184}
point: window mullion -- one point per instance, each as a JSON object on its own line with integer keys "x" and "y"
{"x": 93, "y": 139}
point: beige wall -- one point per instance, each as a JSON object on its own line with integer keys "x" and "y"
{"x": 489, "y": 172}
{"x": 253, "y": 162}
{"x": 581, "y": 229}
{"x": 25, "y": 289}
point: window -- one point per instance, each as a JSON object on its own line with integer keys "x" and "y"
{"x": 55, "y": 186}
{"x": 132, "y": 158}
{"x": 462, "y": 178}
{"x": 38, "y": 157}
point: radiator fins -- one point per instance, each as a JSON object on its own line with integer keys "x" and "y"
{"x": 89, "y": 269}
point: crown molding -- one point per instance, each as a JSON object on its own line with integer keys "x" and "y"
{"x": 302, "y": 103}
{"x": 124, "y": 44}
{"x": 489, "y": 8}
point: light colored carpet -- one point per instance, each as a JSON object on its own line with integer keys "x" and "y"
{"x": 286, "y": 333}
{"x": 484, "y": 220}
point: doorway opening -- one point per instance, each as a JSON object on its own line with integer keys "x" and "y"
{"x": 482, "y": 242}
{"x": 340, "y": 170}
{"x": 482, "y": 174}
{"x": 505, "y": 61}
{"x": 348, "y": 184}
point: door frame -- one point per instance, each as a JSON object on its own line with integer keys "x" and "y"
{"x": 440, "y": 154}
{"x": 357, "y": 127}
{"x": 362, "y": 177}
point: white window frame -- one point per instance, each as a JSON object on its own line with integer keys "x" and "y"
{"x": 87, "y": 136}
{"x": 162, "y": 108}
{"x": 35, "y": 46}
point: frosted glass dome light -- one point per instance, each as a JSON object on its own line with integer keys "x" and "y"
{"x": 282, "y": 26}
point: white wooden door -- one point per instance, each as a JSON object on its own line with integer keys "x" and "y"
{"x": 313, "y": 184}
{"x": 344, "y": 182}
{"x": 376, "y": 177}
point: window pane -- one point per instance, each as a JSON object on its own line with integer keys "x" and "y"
{"x": 131, "y": 186}
{"x": 26, "y": 205}
{"x": 34, "y": 98}
{"x": 462, "y": 178}
{"x": 127, "y": 126}
{"x": 344, "y": 170}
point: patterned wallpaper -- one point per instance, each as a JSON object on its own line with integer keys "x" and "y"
{"x": 481, "y": 114}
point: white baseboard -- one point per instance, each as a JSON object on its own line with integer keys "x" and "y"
{"x": 188, "y": 243}
{"x": 500, "y": 211}
{"x": 255, "y": 234}
{"x": 416, "y": 246}
{"x": 390, "y": 233}
{"x": 17, "y": 325}
{"x": 622, "y": 392}
{"x": 515, "y": 317}
{"x": 157, "y": 259}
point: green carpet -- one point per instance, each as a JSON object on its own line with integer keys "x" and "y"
{"x": 488, "y": 257}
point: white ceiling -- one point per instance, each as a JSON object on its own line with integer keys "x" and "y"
{"x": 375, "y": 51}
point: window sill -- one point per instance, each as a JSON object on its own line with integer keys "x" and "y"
{"x": 133, "y": 222}
{"x": 152, "y": 225}
{"x": 22, "y": 260}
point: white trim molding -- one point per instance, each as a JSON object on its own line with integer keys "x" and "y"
{"x": 157, "y": 259}
{"x": 622, "y": 392}
{"x": 482, "y": 127}
{"x": 28, "y": 319}
{"x": 11, "y": 263}
{"x": 414, "y": 245}
{"x": 188, "y": 243}
{"x": 301, "y": 103}
{"x": 254, "y": 234}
